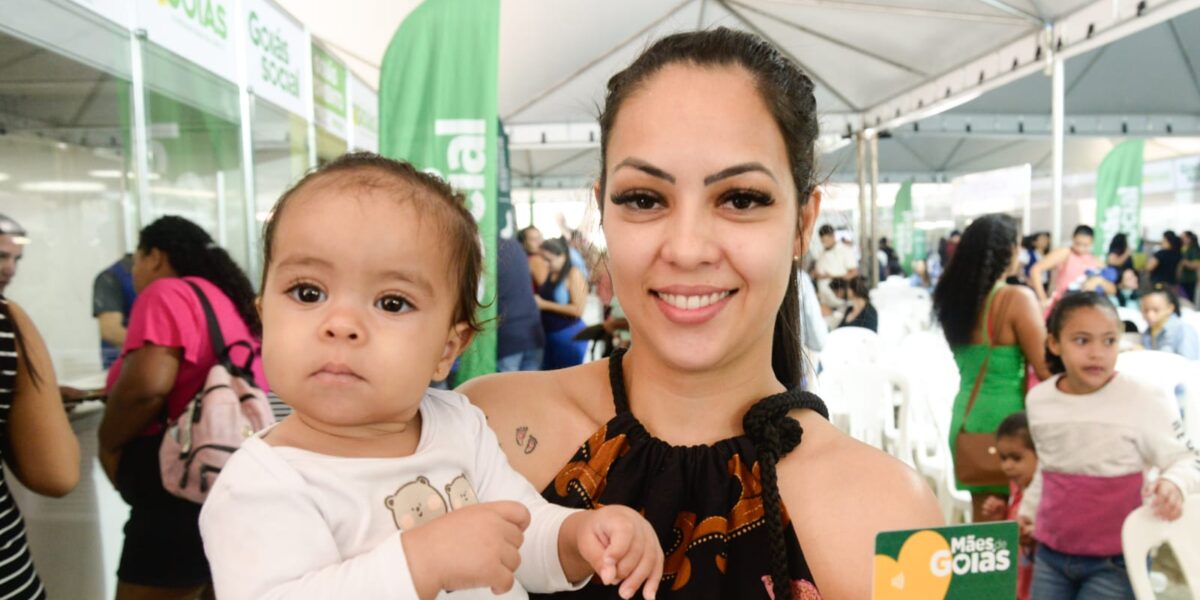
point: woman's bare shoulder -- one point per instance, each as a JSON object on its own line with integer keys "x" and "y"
{"x": 841, "y": 493}
{"x": 541, "y": 417}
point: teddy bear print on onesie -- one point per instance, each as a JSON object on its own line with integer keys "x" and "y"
{"x": 418, "y": 501}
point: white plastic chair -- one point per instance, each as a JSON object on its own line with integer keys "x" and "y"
{"x": 1170, "y": 372}
{"x": 1133, "y": 315}
{"x": 866, "y": 398}
{"x": 926, "y": 359}
{"x": 1191, "y": 317}
{"x": 1143, "y": 531}
{"x": 850, "y": 346}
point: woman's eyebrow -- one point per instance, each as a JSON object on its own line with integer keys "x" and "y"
{"x": 646, "y": 168}
{"x": 738, "y": 170}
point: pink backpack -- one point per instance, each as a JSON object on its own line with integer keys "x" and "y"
{"x": 226, "y": 411}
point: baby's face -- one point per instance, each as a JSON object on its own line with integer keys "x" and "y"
{"x": 357, "y": 306}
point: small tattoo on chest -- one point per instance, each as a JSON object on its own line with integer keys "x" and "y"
{"x": 525, "y": 441}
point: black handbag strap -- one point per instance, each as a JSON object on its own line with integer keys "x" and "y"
{"x": 214, "y": 327}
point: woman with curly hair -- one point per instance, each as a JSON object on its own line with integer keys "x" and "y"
{"x": 994, "y": 329}
{"x": 167, "y": 355}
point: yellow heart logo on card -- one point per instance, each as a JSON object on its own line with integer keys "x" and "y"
{"x": 915, "y": 576}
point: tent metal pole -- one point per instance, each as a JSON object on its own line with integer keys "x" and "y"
{"x": 1058, "y": 97}
{"x": 860, "y": 163}
{"x": 869, "y": 245}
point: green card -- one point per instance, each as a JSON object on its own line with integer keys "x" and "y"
{"x": 961, "y": 562}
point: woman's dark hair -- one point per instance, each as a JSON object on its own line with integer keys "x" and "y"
{"x": 983, "y": 256}
{"x": 788, "y": 93}
{"x": 558, "y": 247}
{"x": 1190, "y": 238}
{"x": 1029, "y": 242}
{"x": 856, "y": 285}
{"x": 524, "y": 233}
{"x": 1119, "y": 244}
{"x": 1173, "y": 239}
{"x": 1066, "y": 305}
{"x": 1168, "y": 294}
{"x": 404, "y": 182}
{"x": 1016, "y": 425}
{"x": 1083, "y": 230}
{"x": 193, "y": 253}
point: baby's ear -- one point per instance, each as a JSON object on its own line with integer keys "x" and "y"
{"x": 457, "y": 340}
{"x": 390, "y": 501}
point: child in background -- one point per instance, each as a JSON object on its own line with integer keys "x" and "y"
{"x": 1097, "y": 431}
{"x": 1018, "y": 459}
{"x": 376, "y": 487}
{"x": 1165, "y": 330}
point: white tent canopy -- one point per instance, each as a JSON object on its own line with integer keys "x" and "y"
{"x": 880, "y": 64}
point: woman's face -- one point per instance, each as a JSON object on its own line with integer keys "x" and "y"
{"x": 701, "y": 216}
{"x": 556, "y": 261}
{"x": 1129, "y": 280}
{"x": 148, "y": 267}
{"x": 1081, "y": 245}
{"x": 1042, "y": 243}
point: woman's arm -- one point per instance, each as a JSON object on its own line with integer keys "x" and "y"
{"x": 1029, "y": 329}
{"x": 837, "y": 517}
{"x": 1152, "y": 264}
{"x": 137, "y": 399}
{"x": 1050, "y": 261}
{"x": 577, "y": 289}
{"x": 45, "y": 452}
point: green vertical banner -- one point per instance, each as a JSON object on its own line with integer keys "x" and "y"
{"x": 903, "y": 240}
{"x": 437, "y": 110}
{"x": 1119, "y": 195}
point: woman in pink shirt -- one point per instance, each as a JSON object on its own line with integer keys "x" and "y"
{"x": 1072, "y": 263}
{"x": 164, "y": 362}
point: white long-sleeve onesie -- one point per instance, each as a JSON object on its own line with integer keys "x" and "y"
{"x": 287, "y": 523}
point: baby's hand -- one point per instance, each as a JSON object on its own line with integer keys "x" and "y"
{"x": 1168, "y": 499}
{"x": 994, "y": 509}
{"x": 620, "y": 546}
{"x": 472, "y": 547}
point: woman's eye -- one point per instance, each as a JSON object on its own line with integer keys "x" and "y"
{"x": 393, "y": 304}
{"x": 306, "y": 294}
{"x": 746, "y": 199}
{"x": 637, "y": 200}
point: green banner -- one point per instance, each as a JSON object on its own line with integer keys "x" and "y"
{"x": 958, "y": 562}
{"x": 903, "y": 239}
{"x": 1119, "y": 195}
{"x": 437, "y": 110}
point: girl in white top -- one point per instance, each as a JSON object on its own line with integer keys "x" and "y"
{"x": 376, "y": 487}
{"x": 1097, "y": 431}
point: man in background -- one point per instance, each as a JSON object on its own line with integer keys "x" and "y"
{"x": 835, "y": 261}
{"x": 112, "y": 301}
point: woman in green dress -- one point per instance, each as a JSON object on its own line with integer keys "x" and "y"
{"x": 981, "y": 316}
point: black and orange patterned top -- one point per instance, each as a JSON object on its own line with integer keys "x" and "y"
{"x": 705, "y": 503}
